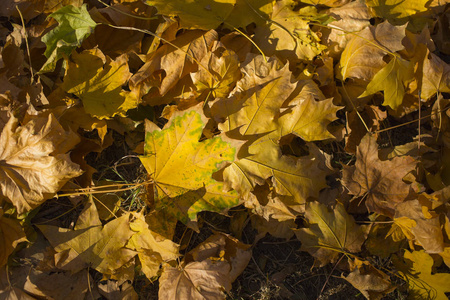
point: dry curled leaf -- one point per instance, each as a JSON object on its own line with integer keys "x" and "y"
{"x": 34, "y": 161}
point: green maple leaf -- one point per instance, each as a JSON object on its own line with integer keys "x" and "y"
{"x": 75, "y": 25}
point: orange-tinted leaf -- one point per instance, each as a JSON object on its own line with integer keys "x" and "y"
{"x": 33, "y": 161}
{"x": 371, "y": 282}
{"x": 379, "y": 182}
{"x": 198, "y": 280}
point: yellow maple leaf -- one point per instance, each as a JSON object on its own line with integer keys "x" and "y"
{"x": 399, "y": 12}
{"x": 182, "y": 167}
{"x": 209, "y": 14}
{"x": 97, "y": 81}
{"x": 34, "y": 163}
{"x": 152, "y": 248}
{"x": 288, "y": 34}
{"x": 90, "y": 243}
{"x": 416, "y": 269}
{"x": 363, "y": 55}
{"x": 221, "y": 75}
{"x": 392, "y": 79}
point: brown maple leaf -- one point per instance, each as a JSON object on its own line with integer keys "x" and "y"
{"x": 34, "y": 163}
{"x": 379, "y": 182}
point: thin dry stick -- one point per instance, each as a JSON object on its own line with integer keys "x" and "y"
{"x": 99, "y": 189}
{"x": 420, "y": 110}
{"x": 248, "y": 38}
{"x": 328, "y": 277}
{"x": 26, "y": 43}
{"x": 354, "y": 107}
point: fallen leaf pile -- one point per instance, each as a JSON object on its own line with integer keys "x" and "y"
{"x": 325, "y": 122}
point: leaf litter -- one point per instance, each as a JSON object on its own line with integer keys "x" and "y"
{"x": 224, "y": 149}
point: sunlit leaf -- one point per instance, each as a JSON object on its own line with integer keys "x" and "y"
{"x": 181, "y": 167}
{"x": 90, "y": 243}
{"x": 392, "y": 79}
{"x": 75, "y": 25}
{"x": 97, "y": 81}
{"x": 209, "y": 14}
{"x": 34, "y": 163}
{"x": 416, "y": 269}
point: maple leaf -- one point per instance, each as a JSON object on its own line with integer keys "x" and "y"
{"x": 254, "y": 109}
{"x": 75, "y": 25}
{"x": 379, "y": 182}
{"x": 207, "y": 270}
{"x": 392, "y": 79}
{"x": 197, "y": 280}
{"x": 97, "y": 81}
{"x": 181, "y": 167}
{"x": 33, "y": 161}
{"x": 421, "y": 225}
{"x": 398, "y": 12}
{"x": 288, "y": 33}
{"x": 90, "y": 243}
{"x": 11, "y": 235}
{"x": 330, "y": 3}
{"x": 436, "y": 76}
{"x": 329, "y": 233}
{"x": 222, "y": 73}
{"x": 416, "y": 269}
{"x": 309, "y": 118}
{"x": 209, "y": 14}
{"x": 371, "y": 282}
{"x": 176, "y": 62}
{"x": 152, "y": 249}
{"x": 363, "y": 56}
{"x": 299, "y": 178}
{"x": 255, "y": 106}
{"x": 351, "y": 17}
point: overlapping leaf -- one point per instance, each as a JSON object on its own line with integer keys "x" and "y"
{"x": 268, "y": 133}
{"x": 379, "y": 182}
{"x": 330, "y": 233}
{"x": 97, "y": 81}
{"x": 182, "y": 167}
{"x": 90, "y": 243}
{"x": 34, "y": 163}
{"x": 417, "y": 271}
{"x": 75, "y": 24}
{"x": 288, "y": 34}
{"x": 209, "y": 14}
